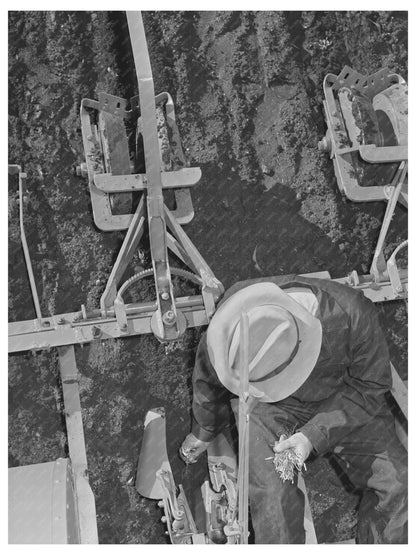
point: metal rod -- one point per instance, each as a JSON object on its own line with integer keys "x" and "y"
{"x": 379, "y": 264}
{"x": 130, "y": 244}
{"x": 35, "y": 298}
{"x": 243, "y": 430}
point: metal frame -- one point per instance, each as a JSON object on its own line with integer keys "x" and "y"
{"x": 338, "y": 122}
{"x": 167, "y": 321}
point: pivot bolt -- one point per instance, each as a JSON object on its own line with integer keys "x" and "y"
{"x": 169, "y": 318}
{"x": 325, "y": 145}
{"x": 81, "y": 170}
{"x": 96, "y": 332}
{"x": 165, "y": 295}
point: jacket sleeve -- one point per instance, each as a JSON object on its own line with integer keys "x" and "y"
{"x": 366, "y": 380}
{"x": 210, "y": 405}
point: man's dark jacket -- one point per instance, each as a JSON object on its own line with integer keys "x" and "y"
{"x": 348, "y": 384}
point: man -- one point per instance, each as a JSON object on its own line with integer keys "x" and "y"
{"x": 319, "y": 367}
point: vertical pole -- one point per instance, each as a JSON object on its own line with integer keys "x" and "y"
{"x": 243, "y": 430}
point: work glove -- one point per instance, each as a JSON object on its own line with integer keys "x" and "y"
{"x": 192, "y": 448}
{"x": 299, "y": 443}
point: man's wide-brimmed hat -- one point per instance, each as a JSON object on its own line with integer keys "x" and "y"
{"x": 284, "y": 341}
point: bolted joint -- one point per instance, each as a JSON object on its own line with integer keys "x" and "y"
{"x": 169, "y": 318}
{"x": 325, "y": 145}
{"x": 81, "y": 170}
{"x": 96, "y": 332}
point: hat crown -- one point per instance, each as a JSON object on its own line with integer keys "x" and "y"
{"x": 273, "y": 338}
{"x": 284, "y": 341}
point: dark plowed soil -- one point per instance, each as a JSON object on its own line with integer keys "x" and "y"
{"x": 247, "y": 88}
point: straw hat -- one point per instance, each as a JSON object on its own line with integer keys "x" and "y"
{"x": 284, "y": 341}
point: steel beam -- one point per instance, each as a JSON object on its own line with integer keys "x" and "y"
{"x": 33, "y": 337}
{"x": 74, "y": 329}
{"x": 108, "y": 183}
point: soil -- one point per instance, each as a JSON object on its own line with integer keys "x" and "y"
{"x": 247, "y": 88}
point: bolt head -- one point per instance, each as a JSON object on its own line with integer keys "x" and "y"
{"x": 324, "y": 145}
{"x": 169, "y": 317}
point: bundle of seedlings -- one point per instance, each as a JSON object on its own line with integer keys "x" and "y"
{"x": 286, "y": 462}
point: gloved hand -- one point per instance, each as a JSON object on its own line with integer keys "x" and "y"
{"x": 192, "y": 448}
{"x": 299, "y": 443}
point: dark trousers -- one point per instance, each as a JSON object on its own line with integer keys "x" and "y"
{"x": 372, "y": 457}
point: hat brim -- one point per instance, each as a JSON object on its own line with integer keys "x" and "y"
{"x": 228, "y": 315}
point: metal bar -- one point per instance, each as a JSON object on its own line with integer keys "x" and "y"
{"x": 155, "y": 211}
{"x": 177, "y": 249}
{"x": 85, "y": 333}
{"x": 110, "y": 183}
{"x": 378, "y": 264}
{"x": 383, "y": 154}
{"x": 243, "y": 430}
{"x": 78, "y": 319}
{"x": 393, "y": 271}
{"x": 50, "y": 332}
{"x": 13, "y": 169}
{"x": 399, "y": 391}
{"x": 76, "y": 446}
{"x": 195, "y": 257}
{"x": 130, "y": 243}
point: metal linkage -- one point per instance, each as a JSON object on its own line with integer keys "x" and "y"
{"x": 378, "y": 265}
